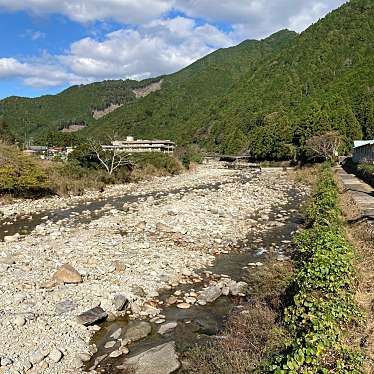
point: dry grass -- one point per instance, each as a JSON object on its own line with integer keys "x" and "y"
{"x": 253, "y": 333}
{"x": 361, "y": 235}
{"x": 305, "y": 175}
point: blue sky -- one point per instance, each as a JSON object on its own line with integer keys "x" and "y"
{"x": 48, "y": 45}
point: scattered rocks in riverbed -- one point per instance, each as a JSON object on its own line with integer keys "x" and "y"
{"x": 120, "y": 302}
{"x": 115, "y": 251}
{"x": 92, "y": 316}
{"x": 159, "y": 360}
{"x": 210, "y": 294}
{"x": 166, "y": 327}
{"x": 183, "y": 306}
{"x": 137, "y": 330}
{"x": 67, "y": 274}
{"x": 55, "y": 355}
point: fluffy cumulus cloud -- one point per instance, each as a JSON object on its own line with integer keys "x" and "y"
{"x": 151, "y": 41}
{"x": 126, "y": 11}
{"x": 259, "y": 18}
{"x": 156, "y": 48}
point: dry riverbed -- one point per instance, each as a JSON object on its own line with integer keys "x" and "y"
{"x": 122, "y": 258}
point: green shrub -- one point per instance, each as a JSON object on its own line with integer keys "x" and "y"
{"x": 20, "y": 174}
{"x": 159, "y": 161}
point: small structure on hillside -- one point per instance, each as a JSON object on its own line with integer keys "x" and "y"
{"x": 130, "y": 145}
{"x": 36, "y": 150}
{"x": 363, "y": 152}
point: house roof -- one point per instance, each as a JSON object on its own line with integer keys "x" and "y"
{"x": 360, "y": 143}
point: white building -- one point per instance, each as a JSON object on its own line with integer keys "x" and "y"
{"x": 130, "y": 145}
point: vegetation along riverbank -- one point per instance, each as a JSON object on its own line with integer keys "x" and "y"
{"x": 307, "y": 316}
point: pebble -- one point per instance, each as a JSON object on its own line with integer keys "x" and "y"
{"x": 110, "y": 344}
{"x": 55, "y": 355}
{"x": 184, "y": 306}
{"x": 117, "y": 334}
{"x": 37, "y": 357}
{"x": 20, "y": 321}
{"x": 116, "y": 354}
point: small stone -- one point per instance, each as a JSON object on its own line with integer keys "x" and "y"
{"x": 20, "y": 321}
{"x": 225, "y": 291}
{"x": 159, "y": 360}
{"x": 85, "y": 357}
{"x": 190, "y": 300}
{"x": 120, "y": 302}
{"x": 125, "y": 350}
{"x": 55, "y": 355}
{"x": 119, "y": 266}
{"x": 184, "y": 306}
{"x": 65, "y": 306}
{"x": 67, "y": 274}
{"x": 23, "y": 365}
{"x": 12, "y": 238}
{"x": 77, "y": 363}
{"x": 172, "y": 300}
{"x": 117, "y": 334}
{"x": 186, "y": 272}
{"x": 6, "y": 361}
{"x": 137, "y": 331}
{"x": 7, "y": 260}
{"x": 92, "y": 316}
{"x": 138, "y": 291}
{"x": 210, "y": 294}
{"x": 37, "y": 357}
{"x": 110, "y": 344}
{"x": 167, "y": 327}
{"x": 116, "y": 354}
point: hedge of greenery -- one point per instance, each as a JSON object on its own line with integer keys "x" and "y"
{"x": 323, "y": 306}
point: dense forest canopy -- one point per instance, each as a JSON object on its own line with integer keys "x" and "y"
{"x": 264, "y": 98}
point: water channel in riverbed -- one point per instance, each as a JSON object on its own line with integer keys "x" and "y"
{"x": 199, "y": 324}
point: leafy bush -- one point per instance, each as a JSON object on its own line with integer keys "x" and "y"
{"x": 323, "y": 303}
{"x": 189, "y": 154}
{"x": 160, "y": 162}
{"x": 20, "y": 174}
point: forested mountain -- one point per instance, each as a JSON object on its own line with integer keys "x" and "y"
{"x": 32, "y": 117}
{"x": 263, "y": 97}
{"x": 185, "y": 98}
{"x": 320, "y": 80}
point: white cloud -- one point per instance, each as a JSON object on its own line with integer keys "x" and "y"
{"x": 259, "y": 18}
{"x": 157, "y": 48}
{"x": 151, "y": 44}
{"x": 127, "y": 11}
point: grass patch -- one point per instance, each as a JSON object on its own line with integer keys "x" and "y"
{"x": 253, "y": 333}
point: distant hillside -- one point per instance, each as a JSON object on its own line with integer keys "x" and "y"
{"x": 75, "y": 105}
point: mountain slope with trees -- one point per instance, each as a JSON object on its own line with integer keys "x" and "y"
{"x": 263, "y": 98}
{"x": 27, "y": 117}
{"x": 319, "y": 81}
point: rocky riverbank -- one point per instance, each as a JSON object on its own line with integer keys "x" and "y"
{"x": 52, "y": 277}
